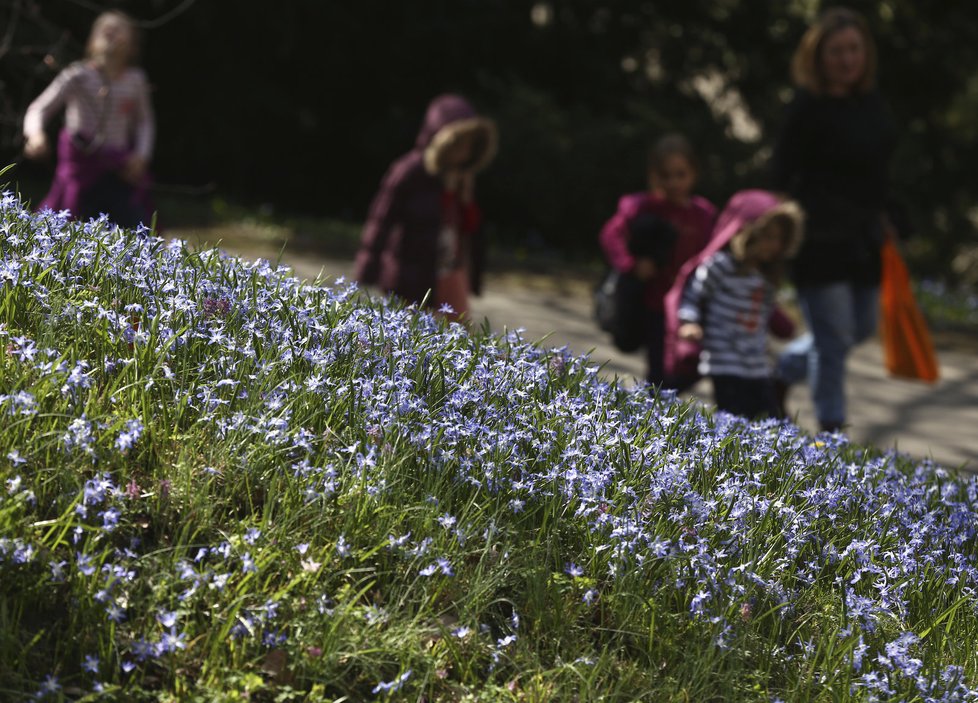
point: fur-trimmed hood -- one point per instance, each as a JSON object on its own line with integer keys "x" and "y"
{"x": 448, "y": 117}
{"x": 749, "y": 212}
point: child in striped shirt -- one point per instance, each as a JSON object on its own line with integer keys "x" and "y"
{"x": 728, "y": 299}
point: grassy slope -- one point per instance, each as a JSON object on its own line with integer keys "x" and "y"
{"x": 221, "y": 484}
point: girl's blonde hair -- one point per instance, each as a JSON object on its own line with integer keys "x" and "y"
{"x": 806, "y": 64}
{"x": 121, "y": 16}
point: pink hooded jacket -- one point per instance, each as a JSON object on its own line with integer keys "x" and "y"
{"x": 693, "y": 223}
{"x": 744, "y": 209}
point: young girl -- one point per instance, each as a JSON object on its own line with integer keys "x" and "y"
{"x": 422, "y": 240}
{"x": 670, "y": 198}
{"x": 107, "y": 140}
{"x": 727, "y": 301}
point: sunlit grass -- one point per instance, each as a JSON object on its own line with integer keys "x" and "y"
{"x": 220, "y": 483}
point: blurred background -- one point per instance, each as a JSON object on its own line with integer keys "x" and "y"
{"x": 293, "y": 110}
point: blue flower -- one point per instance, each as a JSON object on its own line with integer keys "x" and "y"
{"x": 167, "y": 618}
{"x": 171, "y": 641}
{"x": 129, "y": 436}
{"x": 392, "y": 686}
{"x": 248, "y": 564}
{"x": 84, "y": 564}
{"x": 115, "y": 612}
{"x": 50, "y": 685}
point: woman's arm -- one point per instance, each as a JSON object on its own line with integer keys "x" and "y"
{"x": 788, "y": 160}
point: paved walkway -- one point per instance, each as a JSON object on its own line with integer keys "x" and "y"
{"x": 937, "y": 421}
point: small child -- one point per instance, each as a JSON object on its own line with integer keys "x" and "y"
{"x": 422, "y": 240}
{"x": 107, "y": 141}
{"x": 670, "y": 198}
{"x": 728, "y": 301}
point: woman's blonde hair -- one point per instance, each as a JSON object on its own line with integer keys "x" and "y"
{"x": 121, "y": 16}
{"x": 806, "y": 64}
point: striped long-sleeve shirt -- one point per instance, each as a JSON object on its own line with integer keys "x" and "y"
{"x": 733, "y": 308}
{"x": 113, "y": 113}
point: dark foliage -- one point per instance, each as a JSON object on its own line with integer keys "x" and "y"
{"x": 302, "y": 105}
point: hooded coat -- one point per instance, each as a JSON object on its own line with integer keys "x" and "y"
{"x": 742, "y": 216}
{"x": 398, "y": 250}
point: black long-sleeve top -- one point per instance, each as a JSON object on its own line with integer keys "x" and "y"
{"x": 832, "y": 156}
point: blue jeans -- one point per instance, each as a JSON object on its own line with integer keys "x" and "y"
{"x": 840, "y": 316}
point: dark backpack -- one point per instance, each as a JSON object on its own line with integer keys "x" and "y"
{"x": 620, "y": 310}
{"x": 619, "y": 305}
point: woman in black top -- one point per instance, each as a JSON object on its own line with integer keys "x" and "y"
{"x": 832, "y": 156}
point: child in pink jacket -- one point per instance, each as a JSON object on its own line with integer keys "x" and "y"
{"x": 670, "y": 198}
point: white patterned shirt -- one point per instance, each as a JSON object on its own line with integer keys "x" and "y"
{"x": 114, "y": 113}
{"x": 733, "y": 308}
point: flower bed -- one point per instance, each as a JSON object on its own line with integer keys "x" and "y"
{"x": 220, "y": 483}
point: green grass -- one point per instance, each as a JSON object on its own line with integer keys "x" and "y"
{"x": 220, "y": 484}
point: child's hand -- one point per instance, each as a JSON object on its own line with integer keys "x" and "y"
{"x": 36, "y": 146}
{"x": 890, "y": 233}
{"x": 690, "y": 331}
{"x": 466, "y": 187}
{"x": 644, "y": 269}
{"x": 462, "y": 183}
{"x": 134, "y": 168}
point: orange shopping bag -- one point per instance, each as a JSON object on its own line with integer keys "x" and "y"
{"x": 908, "y": 350}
